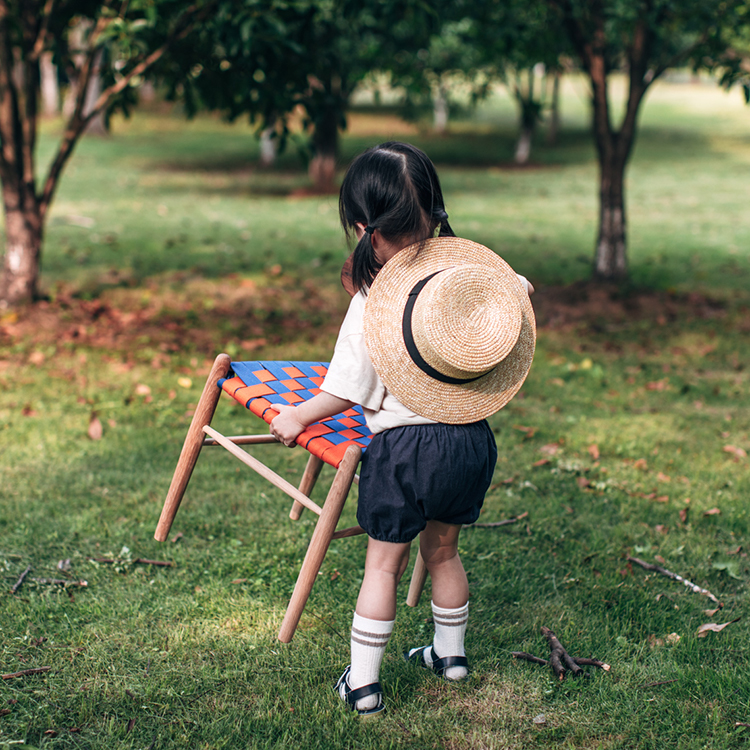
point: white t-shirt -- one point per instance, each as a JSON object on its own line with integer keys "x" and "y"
{"x": 351, "y": 376}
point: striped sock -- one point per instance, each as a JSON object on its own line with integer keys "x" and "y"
{"x": 450, "y": 628}
{"x": 368, "y": 641}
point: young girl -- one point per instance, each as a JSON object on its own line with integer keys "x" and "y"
{"x": 419, "y": 476}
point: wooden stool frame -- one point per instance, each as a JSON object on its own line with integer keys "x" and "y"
{"x": 201, "y": 434}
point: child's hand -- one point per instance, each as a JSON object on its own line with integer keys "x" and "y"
{"x": 286, "y": 426}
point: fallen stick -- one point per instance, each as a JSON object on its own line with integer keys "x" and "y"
{"x": 675, "y": 577}
{"x": 139, "y": 560}
{"x": 17, "y": 584}
{"x": 560, "y": 660}
{"x": 26, "y": 672}
{"x": 495, "y": 524}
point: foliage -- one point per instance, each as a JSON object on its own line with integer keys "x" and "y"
{"x": 266, "y": 58}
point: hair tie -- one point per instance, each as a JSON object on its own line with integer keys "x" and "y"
{"x": 369, "y": 229}
{"x": 441, "y": 216}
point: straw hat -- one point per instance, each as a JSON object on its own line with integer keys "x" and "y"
{"x": 450, "y": 329}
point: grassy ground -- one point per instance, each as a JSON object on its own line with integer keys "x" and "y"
{"x": 167, "y": 245}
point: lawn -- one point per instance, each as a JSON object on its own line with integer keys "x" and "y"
{"x": 167, "y": 245}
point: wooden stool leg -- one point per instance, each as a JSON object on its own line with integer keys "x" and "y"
{"x": 312, "y": 471}
{"x": 320, "y": 541}
{"x": 418, "y": 578}
{"x": 191, "y": 448}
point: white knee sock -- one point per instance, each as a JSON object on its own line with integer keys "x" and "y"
{"x": 450, "y": 629}
{"x": 368, "y": 641}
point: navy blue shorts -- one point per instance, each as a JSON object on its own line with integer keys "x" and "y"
{"x": 411, "y": 475}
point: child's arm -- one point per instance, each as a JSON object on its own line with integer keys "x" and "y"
{"x": 293, "y": 419}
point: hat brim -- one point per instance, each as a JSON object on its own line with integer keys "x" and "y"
{"x": 444, "y": 402}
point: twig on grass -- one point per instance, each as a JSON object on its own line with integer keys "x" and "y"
{"x": 495, "y": 524}
{"x": 26, "y": 672}
{"x": 675, "y": 577}
{"x": 137, "y": 561}
{"x": 17, "y": 584}
{"x": 560, "y": 660}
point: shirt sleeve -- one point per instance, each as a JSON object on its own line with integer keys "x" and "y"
{"x": 351, "y": 375}
{"x": 524, "y": 282}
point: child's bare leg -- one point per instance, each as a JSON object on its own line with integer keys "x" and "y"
{"x": 384, "y": 566}
{"x": 373, "y": 619}
{"x": 438, "y": 544}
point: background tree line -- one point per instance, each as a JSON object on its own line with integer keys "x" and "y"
{"x": 267, "y": 59}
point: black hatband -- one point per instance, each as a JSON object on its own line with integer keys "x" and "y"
{"x": 411, "y": 346}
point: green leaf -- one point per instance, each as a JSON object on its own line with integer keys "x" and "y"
{"x": 732, "y": 568}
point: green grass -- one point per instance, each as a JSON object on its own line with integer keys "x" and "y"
{"x": 186, "y": 656}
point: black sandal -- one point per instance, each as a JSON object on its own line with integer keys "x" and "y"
{"x": 438, "y": 666}
{"x": 352, "y": 696}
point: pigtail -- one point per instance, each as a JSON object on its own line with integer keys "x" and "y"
{"x": 365, "y": 266}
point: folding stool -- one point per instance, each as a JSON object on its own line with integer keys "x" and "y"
{"x": 338, "y": 441}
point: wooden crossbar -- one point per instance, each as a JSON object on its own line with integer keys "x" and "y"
{"x": 243, "y": 440}
{"x": 263, "y": 470}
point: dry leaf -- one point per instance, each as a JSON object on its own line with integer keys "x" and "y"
{"x": 36, "y": 358}
{"x": 540, "y": 719}
{"x": 663, "y": 477}
{"x": 673, "y": 638}
{"x": 711, "y": 612}
{"x": 185, "y": 382}
{"x": 661, "y": 529}
{"x": 593, "y": 451}
{"x": 712, "y": 512}
{"x": 541, "y": 462}
{"x": 712, "y": 627}
{"x": 735, "y": 451}
{"x": 557, "y": 381}
{"x": 684, "y": 515}
{"x": 641, "y": 463}
{"x": 142, "y": 390}
{"x": 95, "y": 428}
{"x": 660, "y": 559}
{"x": 659, "y": 385}
{"x": 550, "y": 449}
{"x": 582, "y": 482}
{"x": 661, "y": 499}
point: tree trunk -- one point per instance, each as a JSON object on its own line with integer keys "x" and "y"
{"x": 267, "y": 147}
{"x": 440, "y": 109}
{"x": 610, "y": 263}
{"x": 554, "y": 110}
{"x": 523, "y": 145}
{"x": 325, "y": 142}
{"x": 50, "y": 89}
{"x": 23, "y": 244}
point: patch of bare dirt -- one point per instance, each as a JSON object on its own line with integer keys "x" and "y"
{"x": 182, "y": 313}
{"x": 592, "y": 305}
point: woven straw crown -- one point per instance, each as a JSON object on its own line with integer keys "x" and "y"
{"x": 450, "y": 329}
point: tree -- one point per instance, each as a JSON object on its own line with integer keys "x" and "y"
{"x": 267, "y": 59}
{"x": 428, "y": 74}
{"x": 123, "y": 40}
{"x": 644, "y": 38}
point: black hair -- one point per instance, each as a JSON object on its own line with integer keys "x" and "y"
{"x": 393, "y": 188}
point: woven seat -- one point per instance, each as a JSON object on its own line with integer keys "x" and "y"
{"x": 338, "y": 441}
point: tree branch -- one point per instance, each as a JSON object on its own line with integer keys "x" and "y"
{"x": 680, "y": 57}
{"x": 41, "y": 38}
{"x": 78, "y": 122}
